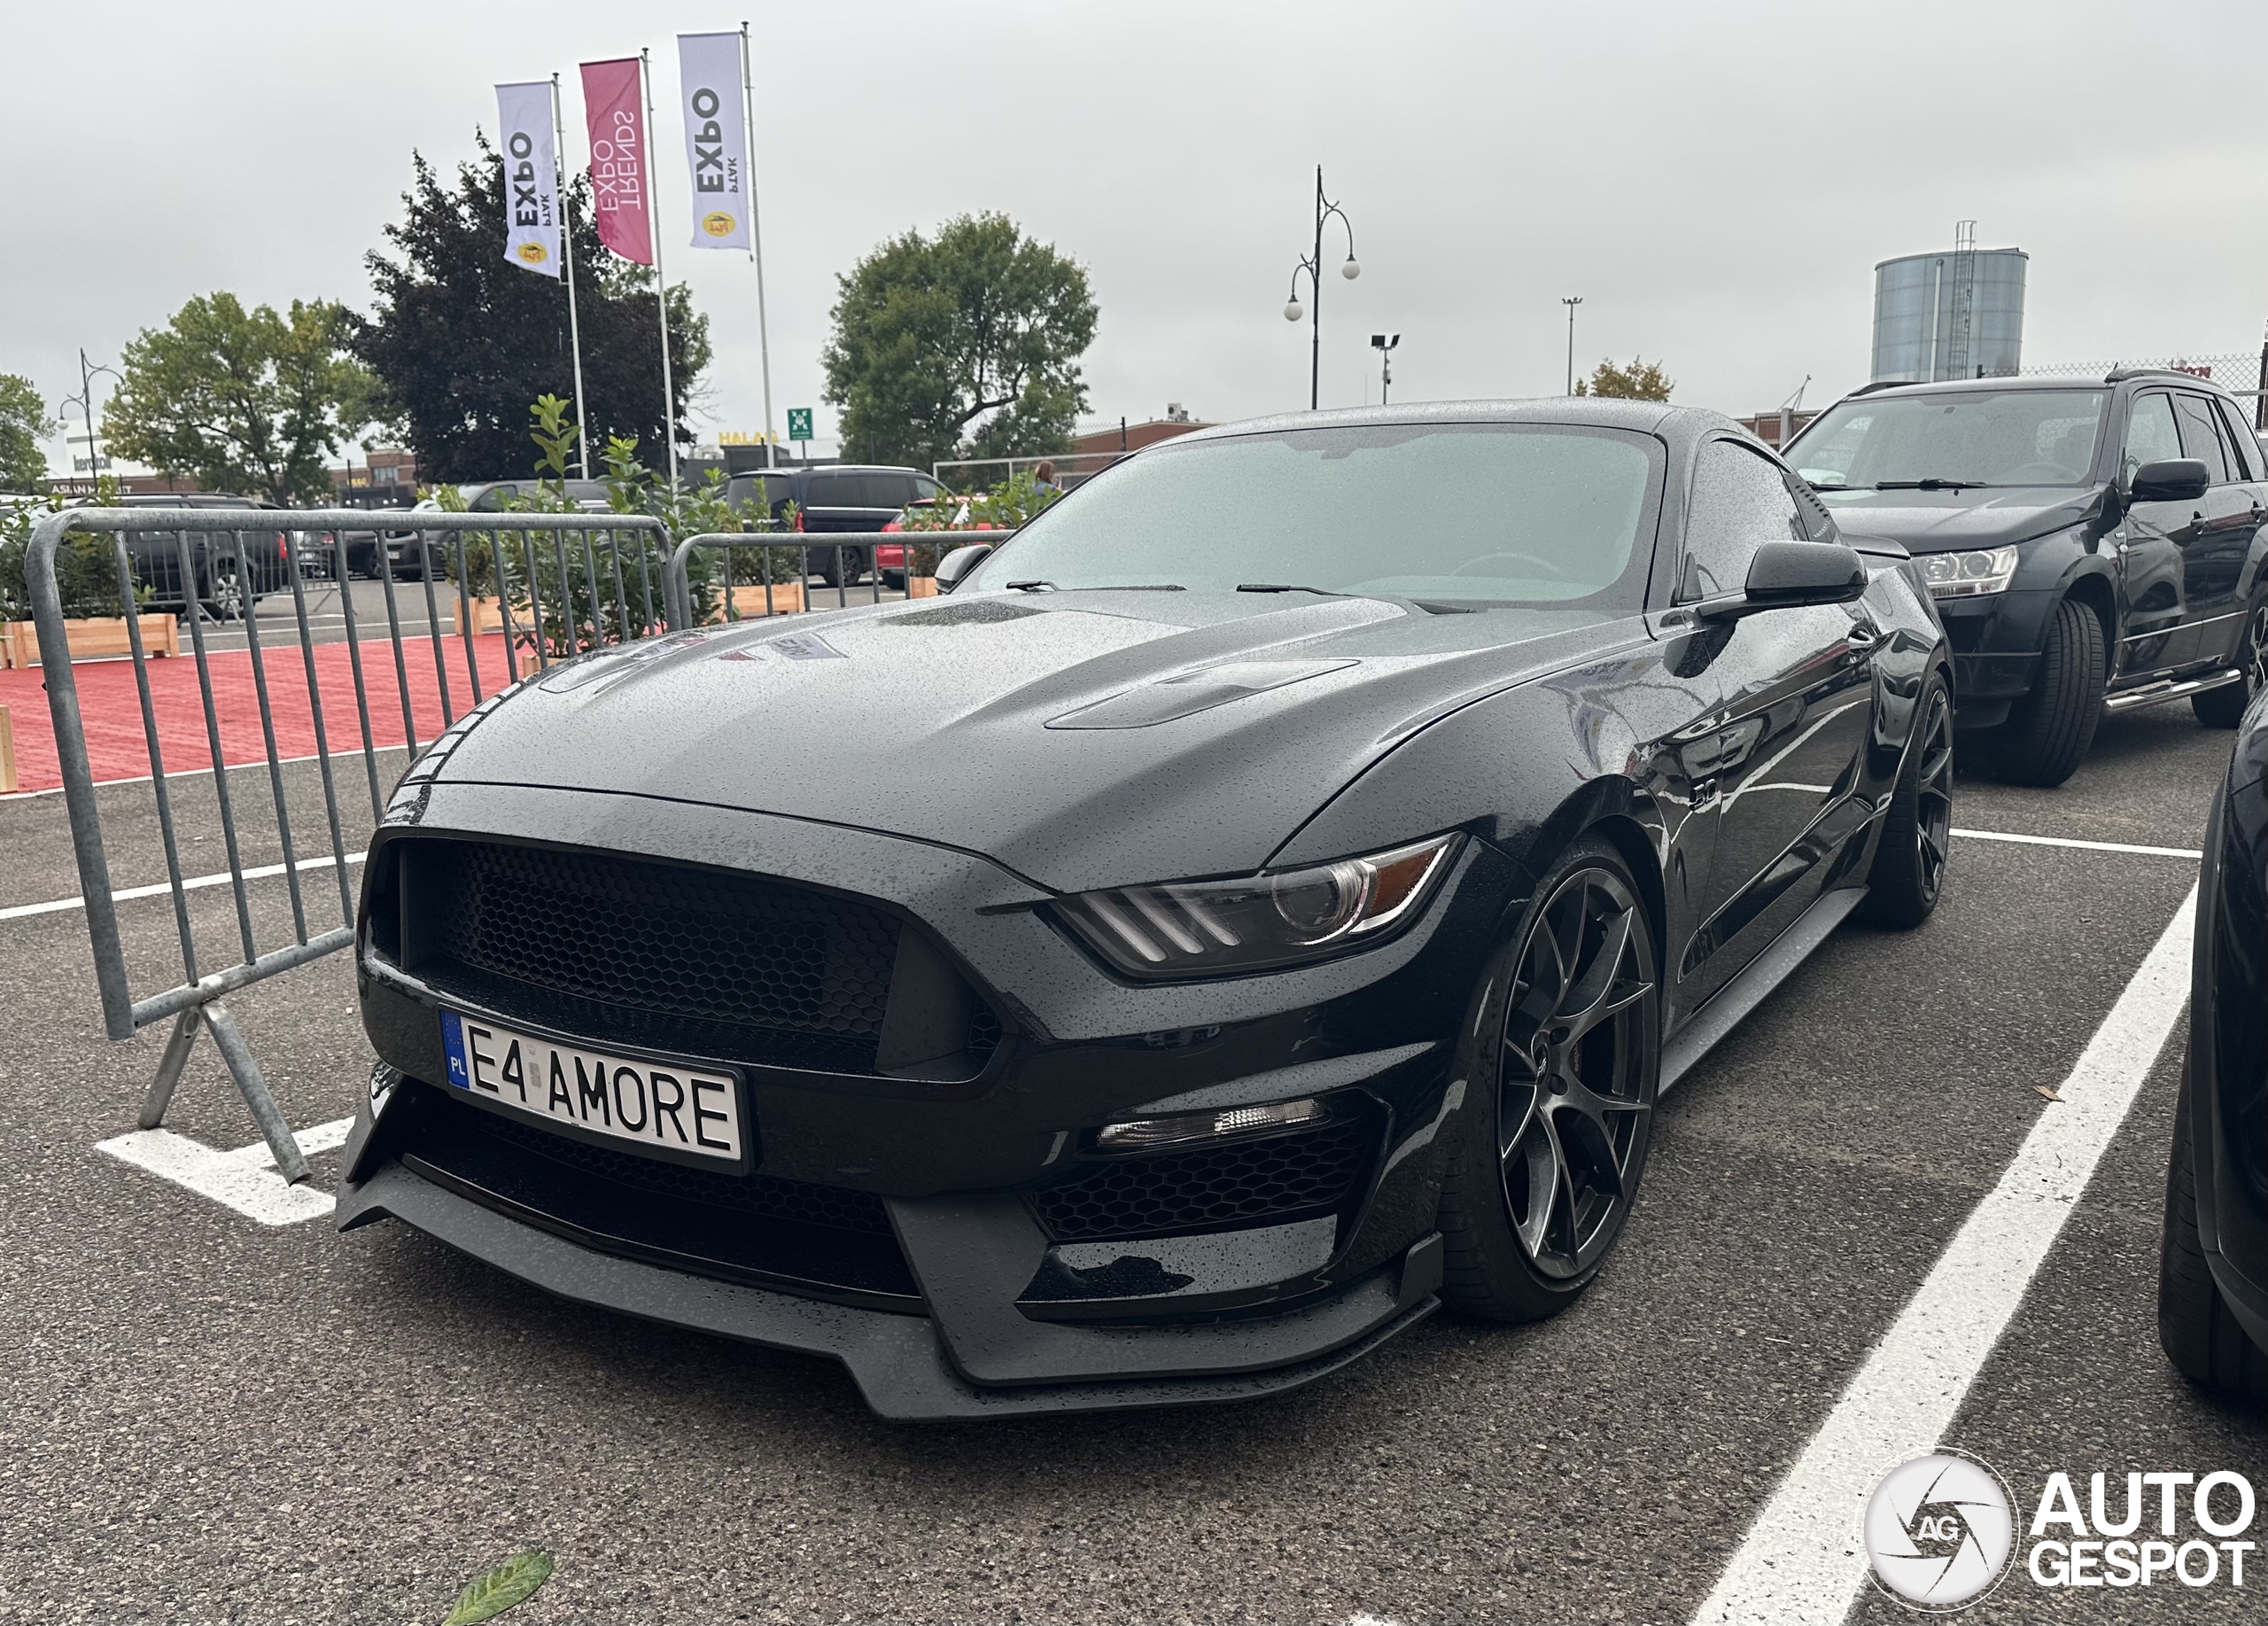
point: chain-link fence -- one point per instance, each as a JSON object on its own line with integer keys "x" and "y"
{"x": 2240, "y": 375}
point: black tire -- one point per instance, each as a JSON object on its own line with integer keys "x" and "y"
{"x": 1532, "y": 1115}
{"x": 2199, "y": 1336}
{"x": 841, "y": 567}
{"x": 2047, "y": 735}
{"x": 1908, "y": 873}
{"x": 2224, "y": 707}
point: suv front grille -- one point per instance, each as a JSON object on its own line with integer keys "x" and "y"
{"x": 1219, "y": 1188}
{"x": 655, "y": 955}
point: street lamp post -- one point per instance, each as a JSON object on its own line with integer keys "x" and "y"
{"x": 1383, "y": 344}
{"x": 1313, "y": 266}
{"x": 85, "y": 401}
{"x": 1571, "y": 305}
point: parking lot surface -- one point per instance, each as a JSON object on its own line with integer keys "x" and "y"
{"x": 205, "y": 1418}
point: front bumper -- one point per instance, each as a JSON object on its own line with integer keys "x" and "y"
{"x": 990, "y": 1271}
{"x": 1996, "y": 643}
{"x": 906, "y": 1366}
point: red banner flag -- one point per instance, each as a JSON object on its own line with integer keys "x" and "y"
{"x": 620, "y": 197}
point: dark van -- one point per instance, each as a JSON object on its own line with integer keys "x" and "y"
{"x": 837, "y": 498}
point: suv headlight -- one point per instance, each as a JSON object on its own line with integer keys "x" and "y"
{"x": 1179, "y": 930}
{"x": 1968, "y": 575}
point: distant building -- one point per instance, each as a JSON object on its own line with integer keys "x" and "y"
{"x": 387, "y": 479}
{"x": 1766, "y": 426}
{"x": 1133, "y": 437}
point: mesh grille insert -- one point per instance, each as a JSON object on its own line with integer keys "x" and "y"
{"x": 1249, "y": 1182}
{"x": 764, "y": 971}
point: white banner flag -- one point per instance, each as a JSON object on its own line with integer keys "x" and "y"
{"x": 531, "y": 176}
{"x": 716, "y": 137}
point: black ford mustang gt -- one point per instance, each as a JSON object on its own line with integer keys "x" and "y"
{"x": 1260, "y": 904}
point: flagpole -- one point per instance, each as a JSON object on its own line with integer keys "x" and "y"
{"x": 567, "y": 251}
{"x": 756, "y": 242}
{"x": 661, "y": 282}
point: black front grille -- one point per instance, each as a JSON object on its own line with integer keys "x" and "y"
{"x": 739, "y": 1226}
{"x": 1245, "y": 1182}
{"x": 656, "y": 954}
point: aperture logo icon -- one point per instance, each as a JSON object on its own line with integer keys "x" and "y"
{"x": 1939, "y": 1532}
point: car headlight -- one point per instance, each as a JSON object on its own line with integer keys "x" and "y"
{"x": 1968, "y": 575}
{"x": 1177, "y": 929}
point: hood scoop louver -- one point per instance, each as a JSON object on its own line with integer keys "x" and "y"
{"x": 1193, "y": 692}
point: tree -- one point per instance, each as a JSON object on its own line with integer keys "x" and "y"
{"x": 24, "y": 424}
{"x": 967, "y": 345}
{"x": 461, "y": 339}
{"x": 245, "y": 400}
{"x": 1642, "y": 380}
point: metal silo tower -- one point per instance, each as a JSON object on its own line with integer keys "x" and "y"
{"x": 1950, "y": 315}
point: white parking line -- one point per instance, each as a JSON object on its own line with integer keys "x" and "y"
{"x": 17, "y": 911}
{"x": 1801, "y": 1560}
{"x": 2091, "y": 846}
{"x": 243, "y": 1179}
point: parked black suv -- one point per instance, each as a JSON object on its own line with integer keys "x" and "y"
{"x": 835, "y": 498}
{"x": 228, "y": 586}
{"x": 2090, "y": 544}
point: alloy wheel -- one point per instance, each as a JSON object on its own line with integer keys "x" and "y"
{"x": 1576, "y": 1080}
{"x": 2256, "y": 650}
{"x": 1933, "y": 792}
{"x": 225, "y": 598}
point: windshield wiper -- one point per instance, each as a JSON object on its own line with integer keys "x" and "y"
{"x": 1286, "y": 586}
{"x": 1932, "y": 483}
{"x": 1029, "y": 587}
{"x": 1834, "y": 485}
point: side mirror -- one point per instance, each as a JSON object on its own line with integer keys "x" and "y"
{"x": 1784, "y": 574}
{"x": 2171, "y": 479}
{"x": 959, "y": 563}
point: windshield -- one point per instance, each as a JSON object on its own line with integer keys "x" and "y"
{"x": 2001, "y": 438}
{"x": 1476, "y": 514}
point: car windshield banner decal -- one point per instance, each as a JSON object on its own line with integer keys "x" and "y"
{"x": 620, "y": 195}
{"x": 531, "y": 176}
{"x": 716, "y": 137}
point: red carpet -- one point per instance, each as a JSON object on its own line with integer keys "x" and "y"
{"x": 111, "y": 713}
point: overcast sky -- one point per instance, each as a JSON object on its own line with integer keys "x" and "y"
{"x": 1715, "y": 181}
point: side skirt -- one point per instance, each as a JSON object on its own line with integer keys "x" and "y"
{"x": 1726, "y": 1007}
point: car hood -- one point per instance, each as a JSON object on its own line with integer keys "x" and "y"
{"x": 1945, "y": 521}
{"x": 1081, "y": 739}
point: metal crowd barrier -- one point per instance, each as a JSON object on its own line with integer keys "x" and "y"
{"x": 801, "y": 555}
{"x": 559, "y": 584}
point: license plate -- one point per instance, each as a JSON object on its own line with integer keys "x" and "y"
{"x": 679, "y": 1106}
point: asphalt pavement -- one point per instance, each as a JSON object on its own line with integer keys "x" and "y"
{"x": 205, "y": 1417}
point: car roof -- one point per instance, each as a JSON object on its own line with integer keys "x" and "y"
{"x": 2029, "y": 382}
{"x": 1588, "y": 411}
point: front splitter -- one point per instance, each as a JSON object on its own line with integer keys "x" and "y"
{"x": 897, "y": 1360}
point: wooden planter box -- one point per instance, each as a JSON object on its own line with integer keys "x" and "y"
{"x": 786, "y": 599}
{"x": 95, "y": 638}
{"x": 920, "y": 587}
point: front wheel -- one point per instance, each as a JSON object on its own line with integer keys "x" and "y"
{"x": 2224, "y": 707}
{"x": 1565, "y": 1056}
{"x": 1910, "y": 868}
{"x": 2199, "y": 1335}
{"x": 2046, "y": 737}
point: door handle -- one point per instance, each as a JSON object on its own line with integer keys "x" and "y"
{"x": 1862, "y": 636}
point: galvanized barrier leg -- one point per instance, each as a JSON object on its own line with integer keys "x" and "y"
{"x": 169, "y": 1069}
{"x": 289, "y": 1161}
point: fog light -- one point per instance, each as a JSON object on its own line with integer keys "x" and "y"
{"x": 1147, "y": 1134}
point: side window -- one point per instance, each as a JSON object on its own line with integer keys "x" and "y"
{"x": 2150, "y": 437}
{"x": 925, "y": 488}
{"x": 2244, "y": 451}
{"x": 1740, "y": 502}
{"x": 825, "y": 491}
{"x": 2200, "y": 436}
